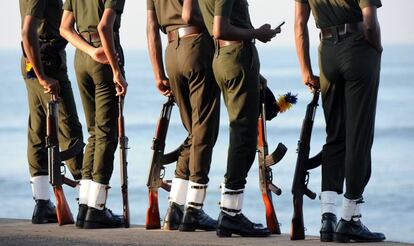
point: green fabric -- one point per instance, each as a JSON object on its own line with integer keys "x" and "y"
{"x": 188, "y": 62}
{"x": 70, "y": 129}
{"x": 235, "y": 10}
{"x": 168, "y": 13}
{"x": 349, "y": 84}
{"x": 49, "y": 12}
{"x": 329, "y": 13}
{"x": 236, "y": 68}
{"x": 88, "y": 14}
{"x": 99, "y": 102}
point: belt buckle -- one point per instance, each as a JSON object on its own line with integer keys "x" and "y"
{"x": 335, "y": 34}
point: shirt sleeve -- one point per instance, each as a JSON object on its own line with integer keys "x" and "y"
{"x": 36, "y": 8}
{"x": 117, "y": 5}
{"x": 368, "y": 3}
{"x": 68, "y": 5}
{"x": 150, "y": 5}
{"x": 224, "y": 8}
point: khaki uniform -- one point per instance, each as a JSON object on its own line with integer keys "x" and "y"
{"x": 188, "y": 64}
{"x": 349, "y": 79}
{"x": 236, "y": 69}
{"x": 97, "y": 89}
{"x": 49, "y": 13}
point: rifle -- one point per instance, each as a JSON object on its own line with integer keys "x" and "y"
{"x": 157, "y": 166}
{"x": 55, "y": 158}
{"x": 303, "y": 165}
{"x": 123, "y": 148}
{"x": 266, "y": 160}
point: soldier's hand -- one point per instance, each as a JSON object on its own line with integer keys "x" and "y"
{"x": 163, "y": 86}
{"x": 120, "y": 84}
{"x": 265, "y": 33}
{"x": 50, "y": 85}
{"x": 312, "y": 82}
{"x": 98, "y": 54}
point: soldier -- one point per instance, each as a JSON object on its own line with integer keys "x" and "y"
{"x": 236, "y": 69}
{"x": 97, "y": 42}
{"x": 349, "y": 61}
{"x": 44, "y": 71}
{"x": 188, "y": 59}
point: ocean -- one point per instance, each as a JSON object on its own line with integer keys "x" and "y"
{"x": 389, "y": 195}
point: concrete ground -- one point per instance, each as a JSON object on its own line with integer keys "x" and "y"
{"x": 22, "y": 233}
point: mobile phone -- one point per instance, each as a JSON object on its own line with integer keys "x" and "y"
{"x": 280, "y": 25}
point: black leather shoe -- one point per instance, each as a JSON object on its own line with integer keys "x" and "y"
{"x": 44, "y": 212}
{"x": 240, "y": 225}
{"x": 83, "y": 209}
{"x": 347, "y": 231}
{"x": 328, "y": 226}
{"x": 197, "y": 219}
{"x": 173, "y": 217}
{"x": 96, "y": 218}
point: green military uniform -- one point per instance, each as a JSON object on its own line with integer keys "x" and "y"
{"x": 236, "y": 68}
{"x": 188, "y": 64}
{"x": 97, "y": 89}
{"x": 49, "y": 12}
{"x": 349, "y": 80}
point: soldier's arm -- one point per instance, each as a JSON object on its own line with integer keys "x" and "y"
{"x": 106, "y": 33}
{"x": 372, "y": 27}
{"x": 67, "y": 31}
{"x": 191, "y": 13}
{"x": 223, "y": 29}
{"x": 30, "y": 40}
{"x": 302, "y": 14}
{"x": 155, "y": 53}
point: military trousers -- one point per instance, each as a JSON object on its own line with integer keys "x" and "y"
{"x": 349, "y": 81}
{"x": 188, "y": 63}
{"x": 236, "y": 68}
{"x": 70, "y": 129}
{"x": 97, "y": 90}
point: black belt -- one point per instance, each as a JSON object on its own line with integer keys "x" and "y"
{"x": 337, "y": 32}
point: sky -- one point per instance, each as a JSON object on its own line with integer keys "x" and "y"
{"x": 395, "y": 18}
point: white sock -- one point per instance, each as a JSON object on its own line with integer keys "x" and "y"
{"x": 196, "y": 194}
{"x": 351, "y": 209}
{"x": 178, "y": 193}
{"x": 40, "y": 187}
{"x": 231, "y": 200}
{"x": 84, "y": 191}
{"x": 97, "y": 195}
{"x": 328, "y": 202}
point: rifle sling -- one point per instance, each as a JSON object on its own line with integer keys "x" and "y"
{"x": 73, "y": 151}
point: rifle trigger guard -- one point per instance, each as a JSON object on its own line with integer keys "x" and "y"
{"x": 63, "y": 169}
{"x": 162, "y": 173}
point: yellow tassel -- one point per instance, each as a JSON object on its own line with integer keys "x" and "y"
{"x": 283, "y": 105}
{"x": 29, "y": 66}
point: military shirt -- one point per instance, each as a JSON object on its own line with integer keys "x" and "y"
{"x": 329, "y": 13}
{"x": 49, "y": 12}
{"x": 237, "y": 11}
{"x": 88, "y": 13}
{"x": 168, "y": 13}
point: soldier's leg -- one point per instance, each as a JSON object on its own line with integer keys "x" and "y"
{"x": 44, "y": 211}
{"x": 361, "y": 65}
{"x": 98, "y": 216}
{"x": 203, "y": 96}
{"x": 179, "y": 187}
{"x": 236, "y": 68}
{"x": 332, "y": 89}
{"x": 87, "y": 93}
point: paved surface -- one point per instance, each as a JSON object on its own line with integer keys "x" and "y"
{"x": 22, "y": 233}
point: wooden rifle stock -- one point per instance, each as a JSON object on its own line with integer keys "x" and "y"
{"x": 303, "y": 165}
{"x": 123, "y": 148}
{"x": 157, "y": 169}
{"x": 153, "y": 220}
{"x": 63, "y": 212}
